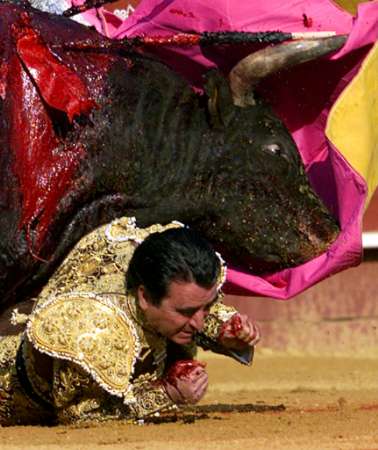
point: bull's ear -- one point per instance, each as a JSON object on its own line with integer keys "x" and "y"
{"x": 220, "y": 103}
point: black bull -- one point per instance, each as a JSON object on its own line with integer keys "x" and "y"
{"x": 89, "y": 135}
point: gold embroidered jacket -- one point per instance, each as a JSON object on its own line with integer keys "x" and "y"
{"x": 86, "y": 352}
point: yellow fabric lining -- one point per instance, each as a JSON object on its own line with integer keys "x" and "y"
{"x": 353, "y": 122}
{"x": 349, "y": 5}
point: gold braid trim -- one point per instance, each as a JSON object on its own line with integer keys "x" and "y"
{"x": 97, "y": 336}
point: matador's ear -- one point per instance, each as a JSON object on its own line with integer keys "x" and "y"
{"x": 142, "y": 297}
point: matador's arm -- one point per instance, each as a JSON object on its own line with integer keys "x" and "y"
{"x": 208, "y": 338}
{"x": 79, "y": 398}
{"x": 94, "y": 348}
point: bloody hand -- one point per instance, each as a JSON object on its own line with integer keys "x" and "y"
{"x": 186, "y": 381}
{"x": 239, "y": 332}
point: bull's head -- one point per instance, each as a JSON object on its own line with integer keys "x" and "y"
{"x": 264, "y": 214}
{"x": 231, "y": 169}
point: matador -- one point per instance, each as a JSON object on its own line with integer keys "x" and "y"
{"x": 113, "y": 334}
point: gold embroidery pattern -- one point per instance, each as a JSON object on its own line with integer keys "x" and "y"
{"x": 8, "y": 350}
{"x": 152, "y": 397}
{"x": 218, "y": 315}
{"x": 97, "y": 336}
{"x": 15, "y": 406}
{"x": 77, "y": 396}
{"x": 70, "y": 382}
{"x": 79, "y": 399}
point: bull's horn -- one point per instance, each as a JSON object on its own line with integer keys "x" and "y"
{"x": 253, "y": 68}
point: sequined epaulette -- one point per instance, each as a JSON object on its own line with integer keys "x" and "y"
{"x": 91, "y": 331}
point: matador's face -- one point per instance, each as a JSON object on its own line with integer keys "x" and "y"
{"x": 181, "y": 312}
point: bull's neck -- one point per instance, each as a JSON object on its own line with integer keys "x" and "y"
{"x": 162, "y": 127}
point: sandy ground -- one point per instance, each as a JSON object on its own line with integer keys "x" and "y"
{"x": 289, "y": 402}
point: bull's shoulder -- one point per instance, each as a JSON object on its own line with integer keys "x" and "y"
{"x": 90, "y": 331}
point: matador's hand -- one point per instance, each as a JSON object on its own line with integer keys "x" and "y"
{"x": 186, "y": 381}
{"x": 239, "y": 332}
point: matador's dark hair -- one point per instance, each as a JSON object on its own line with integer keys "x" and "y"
{"x": 177, "y": 254}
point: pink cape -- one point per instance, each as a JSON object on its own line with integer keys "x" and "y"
{"x": 302, "y": 97}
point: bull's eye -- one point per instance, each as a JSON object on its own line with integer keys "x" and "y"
{"x": 273, "y": 149}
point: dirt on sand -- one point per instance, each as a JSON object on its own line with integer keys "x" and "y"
{"x": 284, "y": 401}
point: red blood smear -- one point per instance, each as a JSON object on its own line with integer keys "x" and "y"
{"x": 59, "y": 86}
{"x": 44, "y": 174}
{"x": 44, "y": 170}
{"x": 180, "y": 39}
{"x": 182, "y": 369}
{"x": 307, "y": 21}
{"x": 236, "y": 324}
{"x": 231, "y": 327}
{"x": 368, "y": 408}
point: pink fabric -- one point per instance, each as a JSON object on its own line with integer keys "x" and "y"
{"x": 302, "y": 97}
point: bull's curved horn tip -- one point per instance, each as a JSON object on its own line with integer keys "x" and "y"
{"x": 312, "y": 34}
{"x": 258, "y": 65}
